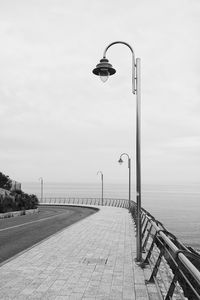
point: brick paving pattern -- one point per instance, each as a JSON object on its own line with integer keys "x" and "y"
{"x": 92, "y": 259}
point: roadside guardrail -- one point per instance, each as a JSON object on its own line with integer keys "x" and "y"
{"x": 174, "y": 268}
{"x": 86, "y": 201}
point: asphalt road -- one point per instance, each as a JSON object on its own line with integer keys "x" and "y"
{"x": 20, "y": 233}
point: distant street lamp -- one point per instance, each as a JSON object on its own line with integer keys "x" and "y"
{"x": 104, "y": 69}
{"x": 99, "y": 172}
{"x": 41, "y": 188}
{"x": 120, "y": 161}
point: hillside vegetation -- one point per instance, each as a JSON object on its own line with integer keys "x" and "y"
{"x": 14, "y": 200}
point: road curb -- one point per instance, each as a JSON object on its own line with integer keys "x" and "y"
{"x": 18, "y": 213}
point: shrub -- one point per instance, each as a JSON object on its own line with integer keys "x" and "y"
{"x": 18, "y": 201}
{"x": 7, "y": 203}
{"x": 25, "y": 201}
{"x": 5, "y": 181}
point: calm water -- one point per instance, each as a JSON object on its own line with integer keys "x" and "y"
{"x": 177, "y": 206}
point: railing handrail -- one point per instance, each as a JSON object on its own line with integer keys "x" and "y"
{"x": 180, "y": 252}
{"x": 73, "y": 197}
{"x": 124, "y": 203}
{"x": 177, "y": 252}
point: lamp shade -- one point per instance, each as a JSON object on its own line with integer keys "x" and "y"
{"x": 120, "y": 161}
{"x": 104, "y": 68}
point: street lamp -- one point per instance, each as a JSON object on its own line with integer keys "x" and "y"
{"x": 99, "y": 172}
{"x": 120, "y": 161}
{"x": 104, "y": 69}
{"x": 41, "y": 188}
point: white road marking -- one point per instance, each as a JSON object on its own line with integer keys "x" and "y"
{"x": 40, "y": 220}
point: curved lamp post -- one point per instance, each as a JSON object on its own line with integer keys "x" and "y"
{"x": 104, "y": 69}
{"x": 41, "y": 188}
{"x": 120, "y": 161}
{"x": 99, "y": 172}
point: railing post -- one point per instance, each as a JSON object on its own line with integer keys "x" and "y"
{"x": 155, "y": 269}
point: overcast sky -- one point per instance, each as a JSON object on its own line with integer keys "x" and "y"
{"x": 60, "y": 122}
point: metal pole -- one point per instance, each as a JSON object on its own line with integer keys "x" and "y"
{"x": 41, "y": 189}
{"x": 138, "y": 159}
{"x": 136, "y": 91}
{"x": 129, "y": 177}
{"x": 102, "y": 188}
{"x": 129, "y": 185}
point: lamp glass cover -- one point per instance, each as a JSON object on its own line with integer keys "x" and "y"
{"x": 104, "y": 74}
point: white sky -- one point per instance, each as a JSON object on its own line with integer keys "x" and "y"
{"x": 60, "y": 122}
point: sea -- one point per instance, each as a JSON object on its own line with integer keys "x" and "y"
{"x": 176, "y": 206}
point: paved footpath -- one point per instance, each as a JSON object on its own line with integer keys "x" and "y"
{"x": 92, "y": 259}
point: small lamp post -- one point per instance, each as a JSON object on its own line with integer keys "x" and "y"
{"x": 120, "y": 161}
{"x": 41, "y": 188}
{"x": 104, "y": 69}
{"x": 99, "y": 172}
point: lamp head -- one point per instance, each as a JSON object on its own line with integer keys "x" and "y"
{"x": 120, "y": 161}
{"x": 104, "y": 69}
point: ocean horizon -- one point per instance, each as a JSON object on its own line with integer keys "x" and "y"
{"x": 176, "y": 206}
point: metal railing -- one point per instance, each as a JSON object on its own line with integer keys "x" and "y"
{"x": 173, "y": 267}
{"x": 86, "y": 201}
